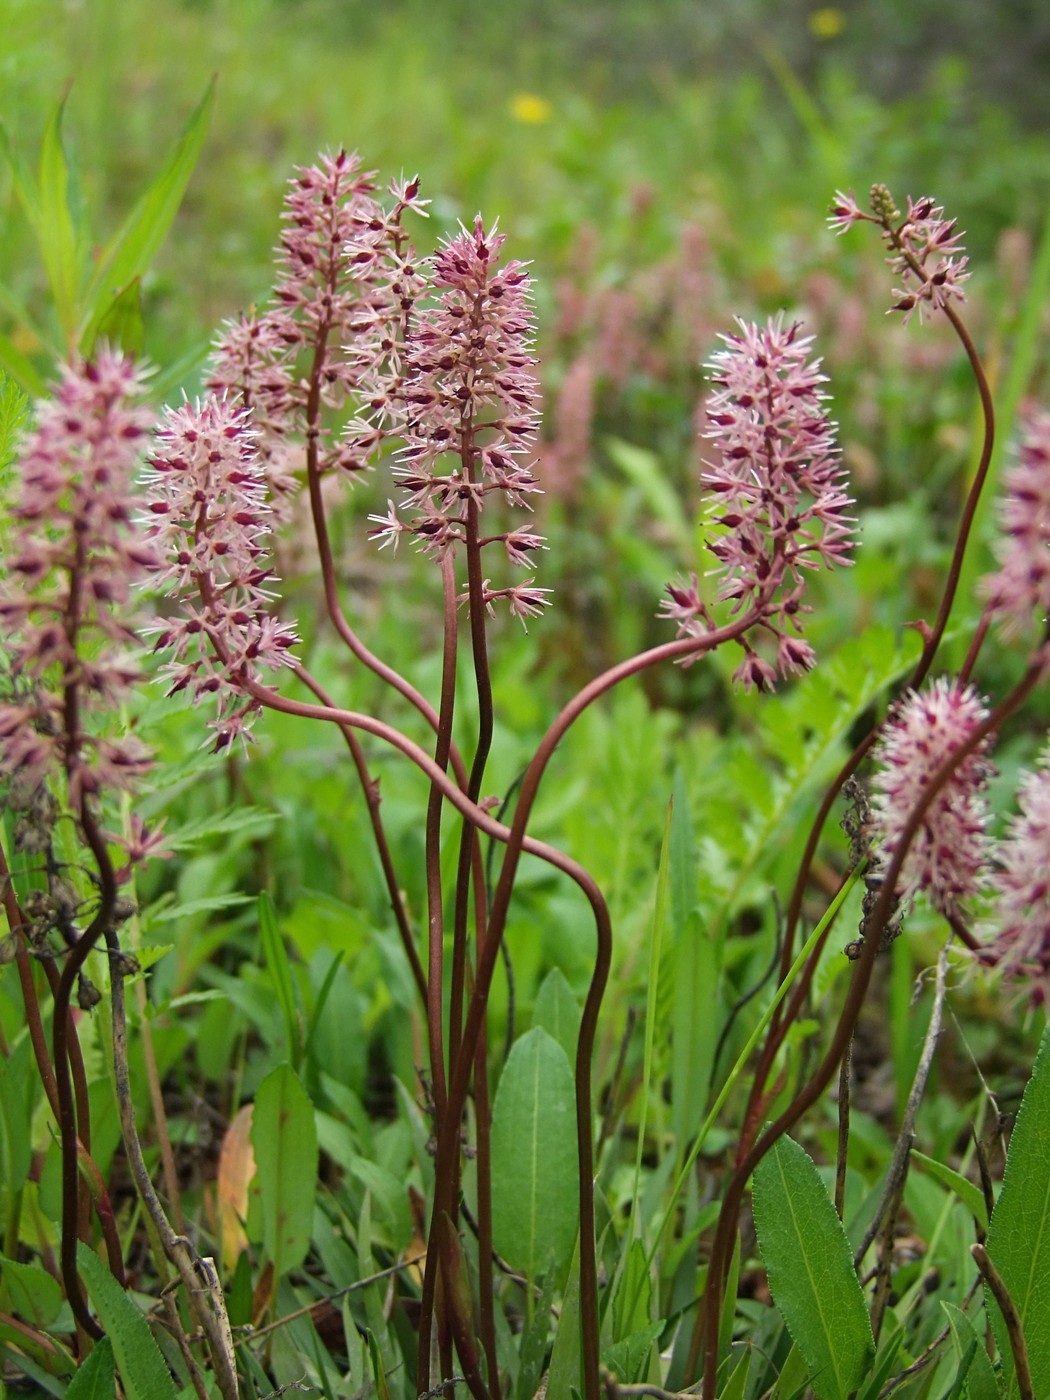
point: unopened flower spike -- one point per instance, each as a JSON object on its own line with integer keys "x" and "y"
{"x": 947, "y": 857}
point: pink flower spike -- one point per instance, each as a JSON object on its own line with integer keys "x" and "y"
{"x": 74, "y": 558}
{"x": 948, "y": 853}
{"x": 778, "y": 484}
{"x": 208, "y": 514}
{"x": 1021, "y": 946}
{"x": 1018, "y": 593}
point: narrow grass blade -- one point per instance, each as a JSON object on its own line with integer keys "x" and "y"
{"x": 57, "y": 231}
{"x": 280, "y": 969}
{"x": 811, "y": 1274}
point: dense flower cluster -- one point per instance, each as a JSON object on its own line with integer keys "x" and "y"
{"x": 73, "y": 560}
{"x": 778, "y": 483}
{"x": 1019, "y": 592}
{"x": 925, "y": 248}
{"x": 344, "y": 278}
{"x": 209, "y": 521}
{"x": 1022, "y": 887}
{"x": 947, "y": 856}
{"x": 469, "y": 409}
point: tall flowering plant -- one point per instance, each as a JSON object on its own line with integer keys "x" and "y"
{"x": 370, "y": 355}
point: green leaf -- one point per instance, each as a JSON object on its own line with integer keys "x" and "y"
{"x": 971, "y": 1196}
{"x": 96, "y": 1377}
{"x": 128, "y": 256}
{"x": 975, "y": 1369}
{"x": 31, "y": 1292}
{"x": 644, "y": 470}
{"x": 122, "y": 324}
{"x": 535, "y": 1205}
{"x": 141, "y": 1366}
{"x": 19, "y": 1089}
{"x": 14, "y": 412}
{"x": 56, "y": 230}
{"x": 284, "y": 1138}
{"x": 737, "y": 1383}
{"x": 534, "y": 1344}
{"x": 557, "y": 1011}
{"x": 811, "y": 1274}
{"x": 1019, "y": 1233}
{"x": 566, "y": 1366}
{"x": 275, "y": 957}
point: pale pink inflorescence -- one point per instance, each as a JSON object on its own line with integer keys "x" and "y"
{"x": 209, "y": 519}
{"x": 74, "y": 558}
{"x": 346, "y": 278}
{"x": 1018, "y": 592}
{"x": 469, "y": 411}
{"x": 926, "y": 250}
{"x": 1021, "y": 885}
{"x": 779, "y": 485}
{"x": 948, "y": 854}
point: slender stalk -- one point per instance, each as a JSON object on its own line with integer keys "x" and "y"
{"x": 1014, "y": 1331}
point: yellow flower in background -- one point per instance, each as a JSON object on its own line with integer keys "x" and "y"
{"x": 827, "y": 23}
{"x": 527, "y": 107}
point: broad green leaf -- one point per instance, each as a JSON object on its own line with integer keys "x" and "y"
{"x": 284, "y": 1139}
{"x": 558, "y": 1012}
{"x": 811, "y": 1274}
{"x": 56, "y": 231}
{"x": 275, "y": 957}
{"x": 129, "y": 255}
{"x": 971, "y": 1196}
{"x": 975, "y": 1369}
{"x": 535, "y": 1204}
{"x": 31, "y": 1292}
{"x": 141, "y": 1366}
{"x": 1019, "y": 1233}
{"x": 96, "y": 1377}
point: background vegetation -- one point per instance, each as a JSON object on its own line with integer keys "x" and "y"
{"x": 665, "y": 167}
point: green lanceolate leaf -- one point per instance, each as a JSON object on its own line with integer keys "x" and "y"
{"x": 534, "y": 1159}
{"x": 556, "y": 1010}
{"x": 129, "y": 255}
{"x": 280, "y": 970}
{"x": 57, "y": 231}
{"x": 975, "y": 1378}
{"x": 970, "y": 1195}
{"x": 141, "y": 1366}
{"x": 284, "y": 1138}
{"x": 96, "y": 1378}
{"x": 1019, "y": 1233}
{"x": 811, "y": 1274}
{"x": 31, "y": 1292}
